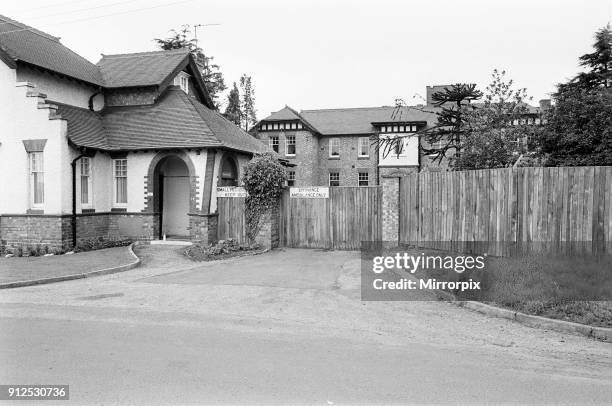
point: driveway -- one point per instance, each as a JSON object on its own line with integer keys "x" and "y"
{"x": 282, "y": 327}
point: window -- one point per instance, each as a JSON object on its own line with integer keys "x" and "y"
{"x": 37, "y": 182}
{"x": 299, "y": 126}
{"x": 275, "y": 126}
{"x": 334, "y": 179}
{"x": 86, "y": 181}
{"x": 291, "y": 178}
{"x": 182, "y": 80}
{"x": 290, "y": 146}
{"x": 334, "y": 147}
{"x": 398, "y": 146}
{"x": 363, "y": 178}
{"x": 274, "y": 143}
{"x": 120, "y": 180}
{"x": 364, "y": 146}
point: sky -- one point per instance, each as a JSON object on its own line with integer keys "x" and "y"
{"x": 313, "y": 54}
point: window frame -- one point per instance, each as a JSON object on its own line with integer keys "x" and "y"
{"x": 36, "y": 166}
{"x": 115, "y": 177}
{"x": 367, "y": 147}
{"x": 335, "y": 180}
{"x": 359, "y": 178}
{"x": 89, "y": 182}
{"x": 331, "y": 141}
{"x": 290, "y": 178}
{"x": 287, "y": 144}
{"x": 271, "y": 143}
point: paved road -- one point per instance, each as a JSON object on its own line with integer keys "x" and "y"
{"x": 283, "y": 327}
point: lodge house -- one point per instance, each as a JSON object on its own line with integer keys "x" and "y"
{"x": 129, "y": 147}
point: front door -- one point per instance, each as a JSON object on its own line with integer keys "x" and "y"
{"x": 175, "y": 220}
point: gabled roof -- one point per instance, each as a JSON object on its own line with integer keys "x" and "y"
{"x": 174, "y": 121}
{"x": 140, "y": 69}
{"x": 359, "y": 120}
{"x": 26, "y": 44}
{"x": 285, "y": 114}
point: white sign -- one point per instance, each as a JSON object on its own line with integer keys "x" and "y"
{"x": 313, "y": 192}
{"x": 231, "y": 191}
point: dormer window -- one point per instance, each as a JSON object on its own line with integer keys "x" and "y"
{"x": 182, "y": 80}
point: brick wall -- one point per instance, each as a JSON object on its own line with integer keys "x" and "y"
{"x": 349, "y": 164}
{"x": 203, "y": 227}
{"x": 268, "y": 235}
{"x": 390, "y": 231}
{"x": 56, "y": 230}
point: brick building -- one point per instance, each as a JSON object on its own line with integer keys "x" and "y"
{"x": 338, "y": 147}
{"x": 129, "y": 147}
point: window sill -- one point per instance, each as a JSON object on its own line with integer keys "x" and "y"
{"x": 88, "y": 210}
{"x": 363, "y": 157}
{"x": 334, "y": 157}
{"x": 119, "y": 209}
{"x": 290, "y": 155}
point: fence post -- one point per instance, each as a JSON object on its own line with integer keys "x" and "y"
{"x": 390, "y": 210}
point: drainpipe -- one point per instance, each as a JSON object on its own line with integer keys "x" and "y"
{"x": 74, "y": 218}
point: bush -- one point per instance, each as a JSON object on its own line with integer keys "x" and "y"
{"x": 91, "y": 245}
{"x": 263, "y": 180}
{"x": 222, "y": 249}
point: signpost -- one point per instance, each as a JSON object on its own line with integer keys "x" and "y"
{"x": 231, "y": 191}
{"x": 312, "y": 192}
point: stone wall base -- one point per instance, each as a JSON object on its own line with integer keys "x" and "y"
{"x": 203, "y": 228}
{"x": 56, "y": 230}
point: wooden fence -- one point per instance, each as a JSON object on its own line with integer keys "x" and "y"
{"x": 349, "y": 216}
{"x": 524, "y": 205}
{"x": 231, "y": 220}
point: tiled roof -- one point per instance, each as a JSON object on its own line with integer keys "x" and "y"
{"x": 140, "y": 69}
{"x": 359, "y": 120}
{"x": 174, "y": 121}
{"x": 286, "y": 113}
{"x": 85, "y": 127}
{"x": 26, "y": 44}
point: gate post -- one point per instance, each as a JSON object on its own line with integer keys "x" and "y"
{"x": 390, "y": 210}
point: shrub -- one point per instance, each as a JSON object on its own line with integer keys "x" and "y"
{"x": 263, "y": 180}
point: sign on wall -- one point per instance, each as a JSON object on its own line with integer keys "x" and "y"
{"x": 312, "y": 192}
{"x": 231, "y": 191}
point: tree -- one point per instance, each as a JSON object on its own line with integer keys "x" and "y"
{"x": 247, "y": 104}
{"x": 579, "y": 130}
{"x": 599, "y": 64}
{"x": 498, "y": 133}
{"x": 233, "y": 111}
{"x": 211, "y": 73}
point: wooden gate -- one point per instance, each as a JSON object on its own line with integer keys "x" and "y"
{"x": 231, "y": 219}
{"x": 349, "y": 216}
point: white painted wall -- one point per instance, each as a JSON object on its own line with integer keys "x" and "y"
{"x": 408, "y": 157}
{"x": 59, "y": 89}
{"x": 20, "y": 119}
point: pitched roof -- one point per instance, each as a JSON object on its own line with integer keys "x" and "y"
{"x": 29, "y": 45}
{"x": 284, "y": 114}
{"x": 140, "y": 69}
{"x": 174, "y": 121}
{"x": 359, "y": 120}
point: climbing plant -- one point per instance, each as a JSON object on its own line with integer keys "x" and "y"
{"x": 263, "y": 180}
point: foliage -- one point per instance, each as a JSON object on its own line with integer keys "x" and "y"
{"x": 98, "y": 244}
{"x": 579, "y": 128}
{"x": 233, "y": 111}
{"x": 222, "y": 249}
{"x": 263, "y": 180}
{"x": 498, "y": 134}
{"x": 247, "y": 104}
{"x": 211, "y": 74}
{"x": 599, "y": 64}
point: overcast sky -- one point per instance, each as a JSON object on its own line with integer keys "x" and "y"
{"x": 331, "y": 54}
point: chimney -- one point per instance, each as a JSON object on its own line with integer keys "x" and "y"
{"x": 544, "y": 104}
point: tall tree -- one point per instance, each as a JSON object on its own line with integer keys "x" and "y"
{"x": 211, "y": 73}
{"x": 498, "y": 132}
{"x": 247, "y": 104}
{"x": 580, "y": 123}
{"x": 598, "y": 63}
{"x": 233, "y": 111}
